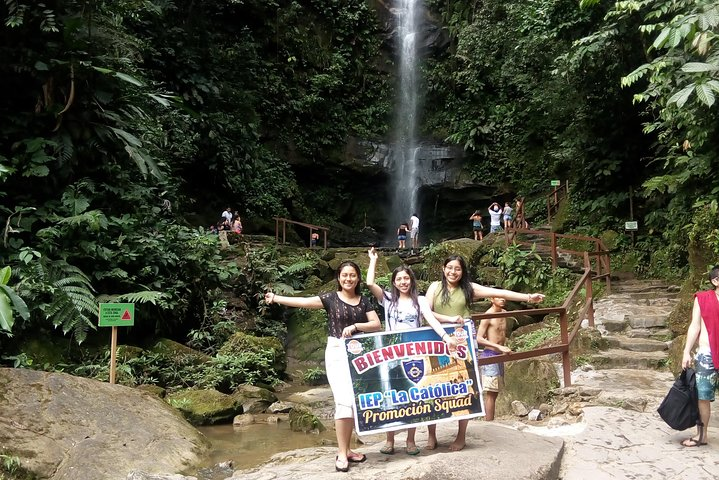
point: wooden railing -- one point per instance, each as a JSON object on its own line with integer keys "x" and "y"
{"x": 282, "y": 222}
{"x": 564, "y": 312}
{"x": 555, "y": 199}
{"x": 598, "y": 255}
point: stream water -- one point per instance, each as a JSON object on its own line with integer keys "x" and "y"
{"x": 250, "y": 445}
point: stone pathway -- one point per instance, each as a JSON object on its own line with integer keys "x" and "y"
{"x": 622, "y": 436}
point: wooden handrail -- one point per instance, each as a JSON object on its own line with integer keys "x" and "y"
{"x": 567, "y": 337}
{"x": 554, "y": 199}
{"x": 599, "y": 252}
{"x": 284, "y": 221}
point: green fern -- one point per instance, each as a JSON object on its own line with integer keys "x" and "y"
{"x": 73, "y": 306}
{"x": 148, "y": 296}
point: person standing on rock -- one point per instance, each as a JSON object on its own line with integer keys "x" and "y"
{"x": 403, "y": 310}
{"x": 492, "y": 336}
{"x": 476, "y": 218}
{"x": 453, "y": 296}
{"x": 414, "y": 232}
{"x": 495, "y": 218}
{"x": 348, "y": 313}
{"x": 704, "y": 330}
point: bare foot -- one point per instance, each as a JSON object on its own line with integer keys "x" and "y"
{"x": 431, "y": 444}
{"x": 456, "y": 446}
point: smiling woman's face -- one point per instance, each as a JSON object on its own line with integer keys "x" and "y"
{"x": 453, "y": 272}
{"x": 348, "y": 278}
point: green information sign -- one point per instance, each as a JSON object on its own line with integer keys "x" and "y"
{"x": 631, "y": 225}
{"x": 556, "y": 183}
{"x": 117, "y": 314}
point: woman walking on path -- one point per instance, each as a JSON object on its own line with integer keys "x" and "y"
{"x": 476, "y": 218}
{"x": 348, "y": 313}
{"x": 453, "y": 296}
{"x": 403, "y": 309}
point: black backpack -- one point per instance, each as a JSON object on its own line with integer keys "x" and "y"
{"x": 680, "y": 408}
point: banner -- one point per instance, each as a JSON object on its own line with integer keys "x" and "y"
{"x": 409, "y": 378}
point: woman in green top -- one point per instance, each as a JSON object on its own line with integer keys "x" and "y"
{"x": 450, "y": 300}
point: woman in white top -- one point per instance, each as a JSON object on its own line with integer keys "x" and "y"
{"x": 402, "y": 308}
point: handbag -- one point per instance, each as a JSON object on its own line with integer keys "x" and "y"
{"x": 680, "y": 408}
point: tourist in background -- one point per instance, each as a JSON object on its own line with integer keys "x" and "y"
{"x": 402, "y": 236}
{"x": 414, "y": 231}
{"x": 348, "y": 313}
{"x": 452, "y": 296}
{"x": 495, "y": 218}
{"x": 507, "y": 215}
{"x": 403, "y": 309}
{"x": 477, "y": 226}
{"x": 704, "y": 331}
{"x": 492, "y": 338}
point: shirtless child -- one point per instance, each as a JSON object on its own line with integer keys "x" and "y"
{"x": 492, "y": 335}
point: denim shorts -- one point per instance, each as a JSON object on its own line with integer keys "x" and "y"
{"x": 707, "y": 376}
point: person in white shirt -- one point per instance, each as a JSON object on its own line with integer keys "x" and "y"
{"x": 414, "y": 230}
{"x": 495, "y": 218}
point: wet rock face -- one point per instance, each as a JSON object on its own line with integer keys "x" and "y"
{"x": 432, "y": 39}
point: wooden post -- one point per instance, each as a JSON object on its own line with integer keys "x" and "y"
{"x": 566, "y": 361}
{"x": 589, "y": 298}
{"x": 284, "y": 231}
{"x": 554, "y": 251}
{"x": 113, "y": 354}
{"x": 277, "y": 230}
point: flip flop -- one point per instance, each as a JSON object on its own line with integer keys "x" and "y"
{"x": 340, "y": 466}
{"x": 387, "y": 450}
{"x": 692, "y": 442}
{"x": 413, "y": 450}
{"x": 357, "y": 457}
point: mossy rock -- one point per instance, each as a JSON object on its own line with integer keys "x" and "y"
{"x": 128, "y": 352}
{"x": 676, "y": 354}
{"x": 178, "y": 351}
{"x": 307, "y": 335}
{"x": 528, "y": 381}
{"x": 46, "y": 350}
{"x": 253, "y": 399}
{"x": 240, "y": 343}
{"x": 313, "y": 281}
{"x": 153, "y": 389}
{"x": 303, "y": 420}
{"x": 205, "y": 407}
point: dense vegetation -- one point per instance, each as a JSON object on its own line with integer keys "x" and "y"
{"x": 128, "y": 123}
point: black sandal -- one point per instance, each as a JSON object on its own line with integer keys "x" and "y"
{"x": 346, "y": 467}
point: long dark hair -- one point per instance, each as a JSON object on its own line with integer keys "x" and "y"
{"x": 395, "y": 291}
{"x": 349, "y": 263}
{"x": 464, "y": 283}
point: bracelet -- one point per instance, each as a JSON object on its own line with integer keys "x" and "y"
{"x": 445, "y": 335}
{"x": 356, "y": 327}
{"x": 273, "y": 297}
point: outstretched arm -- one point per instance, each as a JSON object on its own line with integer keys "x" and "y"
{"x": 300, "y": 302}
{"x": 373, "y": 287}
{"x": 480, "y": 291}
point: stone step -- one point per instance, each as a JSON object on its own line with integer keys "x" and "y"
{"x": 643, "y": 286}
{"x": 645, "y": 298}
{"x": 647, "y": 320}
{"x": 635, "y": 344}
{"x": 661, "y": 334}
{"x": 617, "y": 358}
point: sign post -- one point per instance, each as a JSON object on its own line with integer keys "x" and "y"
{"x": 116, "y": 315}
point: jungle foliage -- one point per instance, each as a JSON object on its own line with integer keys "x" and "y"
{"x": 127, "y": 123}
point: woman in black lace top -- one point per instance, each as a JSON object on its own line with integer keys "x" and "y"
{"x": 348, "y": 313}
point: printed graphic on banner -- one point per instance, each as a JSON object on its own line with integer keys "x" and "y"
{"x": 410, "y": 378}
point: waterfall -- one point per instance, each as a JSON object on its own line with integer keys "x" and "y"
{"x": 405, "y": 176}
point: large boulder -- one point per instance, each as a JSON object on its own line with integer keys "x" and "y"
{"x": 241, "y": 343}
{"x": 68, "y": 428}
{"x": 205, "y": 407}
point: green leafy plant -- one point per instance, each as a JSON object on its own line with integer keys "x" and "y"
{"x": 9, "y": 301}
{"x": 314, "y": 376}
{"x": 536, "y": 338}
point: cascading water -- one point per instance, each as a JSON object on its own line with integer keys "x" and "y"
{"x": 405, "y": 177}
